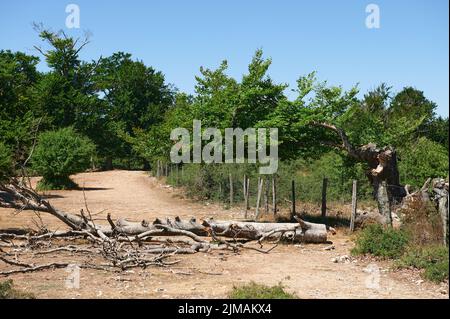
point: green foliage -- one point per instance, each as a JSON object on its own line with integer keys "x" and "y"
{"x": 18, "y": 76}
{"x": 433, "y": 259}
{"x": 437, "y": 131}
{"x": 422, "y": 159}
{"x": 5, "y": 161}
{"x": 211, "y": 181}
{"x": 128, "y": 110}
{"x": 7, "y": 291}
{"x": 253, "y": 290}
{"x": 136, "y": 98}
{"x": 59, "y": 154}
{"x": 380, "y": 241}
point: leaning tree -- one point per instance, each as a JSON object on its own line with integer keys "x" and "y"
{"x": 383, "y": 172}
{"x": 367, "y": 130}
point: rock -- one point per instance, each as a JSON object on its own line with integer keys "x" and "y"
{"x": 329, "y": 247}
{"x": 334, "y": 260}
{"x": 344, "y": 259}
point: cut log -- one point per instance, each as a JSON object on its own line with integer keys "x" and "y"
{"x": 295, "y": 232}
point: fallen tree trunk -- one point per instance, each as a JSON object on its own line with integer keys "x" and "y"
{"x": 26, "y": 199}
{"x": 295, "y": 232}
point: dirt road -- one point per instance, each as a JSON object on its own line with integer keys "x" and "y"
{"x": 306, "y": 270}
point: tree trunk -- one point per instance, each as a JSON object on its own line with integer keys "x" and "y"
{"x": 384, "y": 205}
{"x": 108, "y": 164}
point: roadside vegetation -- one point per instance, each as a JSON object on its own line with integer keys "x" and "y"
{"x": 400, "y": 246}
{"x": 253, "y": 290}
{"x": 7, "y": 291}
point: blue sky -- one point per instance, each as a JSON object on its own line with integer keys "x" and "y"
{"x": 410, "y": 48}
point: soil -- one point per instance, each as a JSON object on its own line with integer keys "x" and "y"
{"x": 308, "y": 270}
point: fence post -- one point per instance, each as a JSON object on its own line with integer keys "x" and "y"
{"x": 293, "y": 197}
{"x": 245, "y": 196}
{"x": 266, "y": 195}
{"x": 231, "y": 188}
{"x": 324, "y": 198}
{"x": 157, "y": 169}
{"x": 248, "y": 193}
{"x": 354, "y": 203}
{"x": 258, "y": 198}
{"x": 274, "y": 195}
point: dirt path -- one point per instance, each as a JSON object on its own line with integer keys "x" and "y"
{"x": 306, "y": 270}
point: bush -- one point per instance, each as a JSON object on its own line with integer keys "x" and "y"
{"x": 257, "y": 291}
{"x": 380, "y": 241}
{"x": 5, "y": 161}
{"x": 59, "y": 154}
{"x": 7, "y": 291}
{"x": 433, "y": 258}
{"x": 423, "y": 222}
{"x": 422, "y": 159}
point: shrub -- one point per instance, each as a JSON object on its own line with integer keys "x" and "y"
{"x": 423, "y": 159}
{"x": 59, "y": 154}
{"x": 5, "y": 161}
{"x": 258, "y": 291}
{"x": 381, "y": 241}
{"x": 423, "y": 222}
{"x": 7, "y": 291}
{"x": 433, "y": 258}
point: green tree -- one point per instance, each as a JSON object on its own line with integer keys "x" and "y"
{"x": 18, "y": 78}
{"x": 5, "y": 161}
{"x": 135, "y": 96}
{"x": 59, "y": 154}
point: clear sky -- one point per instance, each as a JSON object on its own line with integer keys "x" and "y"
{"x": 410, "y": 48}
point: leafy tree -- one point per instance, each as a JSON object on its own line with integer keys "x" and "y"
{"x": 65, "y": 95}
{"x": 18, "y": 78}
{"x": 437, "y": 131}
{"x": 5, "y": 161}
{"x": 59, "y": 154}
{"x": 135, "y": 96}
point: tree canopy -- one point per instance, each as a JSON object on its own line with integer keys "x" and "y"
{"x": 128, "y": 109}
